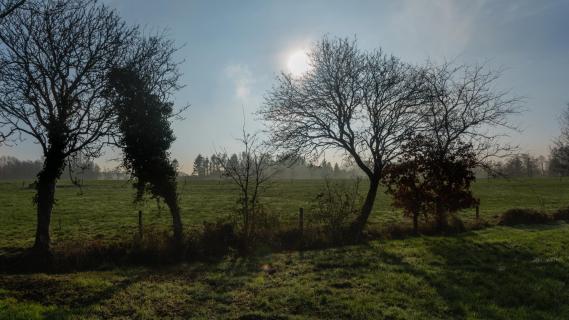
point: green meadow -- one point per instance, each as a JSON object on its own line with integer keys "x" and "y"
{"x": 105, "y": 210}
{"x": 494, "y": 273}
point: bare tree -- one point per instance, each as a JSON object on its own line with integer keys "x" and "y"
{"x": 362, "y": 103}
{"x": 9, "y": 6}
{"x": 250, "y": 172}
{"x": 6, "y": 8}
{"x": 463, "y": 109}
{"x": 463, "y": 106}
{"x": 54, "y": 59}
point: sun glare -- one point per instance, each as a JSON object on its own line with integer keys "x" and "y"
{"x": 298, "y": 63}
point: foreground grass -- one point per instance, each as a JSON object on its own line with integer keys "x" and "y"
{"x": 496, "y": 273}
{"x": 105, "y": 211}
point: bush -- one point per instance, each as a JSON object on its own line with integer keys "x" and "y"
{"x": 335, "y": 207}
{"x": 523, "y": 216}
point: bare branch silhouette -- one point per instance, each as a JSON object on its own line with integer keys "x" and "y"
{"x": 362, "y": 103}
{"x": 54, "y": 58}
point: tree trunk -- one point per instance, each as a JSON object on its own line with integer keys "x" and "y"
{"x": 177, "y": 225}
{"x": 361, "y": 221}
{"x": 45, "y": 195}
{"x": 44, "y": 201}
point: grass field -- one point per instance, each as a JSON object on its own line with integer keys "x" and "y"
{"x": 496, "y": 273}
{"x": 106, "y": 211}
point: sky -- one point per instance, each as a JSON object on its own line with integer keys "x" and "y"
{"x": 232, "y": 51}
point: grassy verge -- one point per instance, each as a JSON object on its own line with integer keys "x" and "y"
{"x": 496, "y": 273}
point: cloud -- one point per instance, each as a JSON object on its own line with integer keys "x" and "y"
{"x": 242, "y": 79}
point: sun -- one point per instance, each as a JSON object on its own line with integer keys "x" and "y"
{"x": 298, "y": 63}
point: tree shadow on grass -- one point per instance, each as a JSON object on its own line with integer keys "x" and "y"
{"x": 63, "y": 290}
{"x": 498, "y": 280}
{"x": 76, "y": 294}
{"x": 471, "y": 276}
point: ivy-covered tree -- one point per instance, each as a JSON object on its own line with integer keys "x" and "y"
{"x": 145, "y": 136}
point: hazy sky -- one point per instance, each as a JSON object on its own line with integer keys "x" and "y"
{"x": 233, "y": 51}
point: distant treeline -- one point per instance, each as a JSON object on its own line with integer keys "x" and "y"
{"x": 526, "y": 165}
{"x": 210, "y": 168}
{"x": 12, "y": 168}
{"x": 515, "y": 166}
{"x": 521, "y": 165}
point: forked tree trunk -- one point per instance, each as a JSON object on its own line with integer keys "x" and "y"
{"x": 361, "y": 221}
{"x": 45, "y": 195}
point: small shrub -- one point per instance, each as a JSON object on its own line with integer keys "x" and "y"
{"x": 335, "y": 207}
{"x": 523, "y": 216}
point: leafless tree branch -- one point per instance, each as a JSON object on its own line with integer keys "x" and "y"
{"x": 9, "y": 6}
{"x": 362, "y": 103}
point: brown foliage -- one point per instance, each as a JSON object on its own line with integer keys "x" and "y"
{"x": 430, "y": 182}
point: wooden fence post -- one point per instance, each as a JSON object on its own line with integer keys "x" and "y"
{"x": 140, "y": 223}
